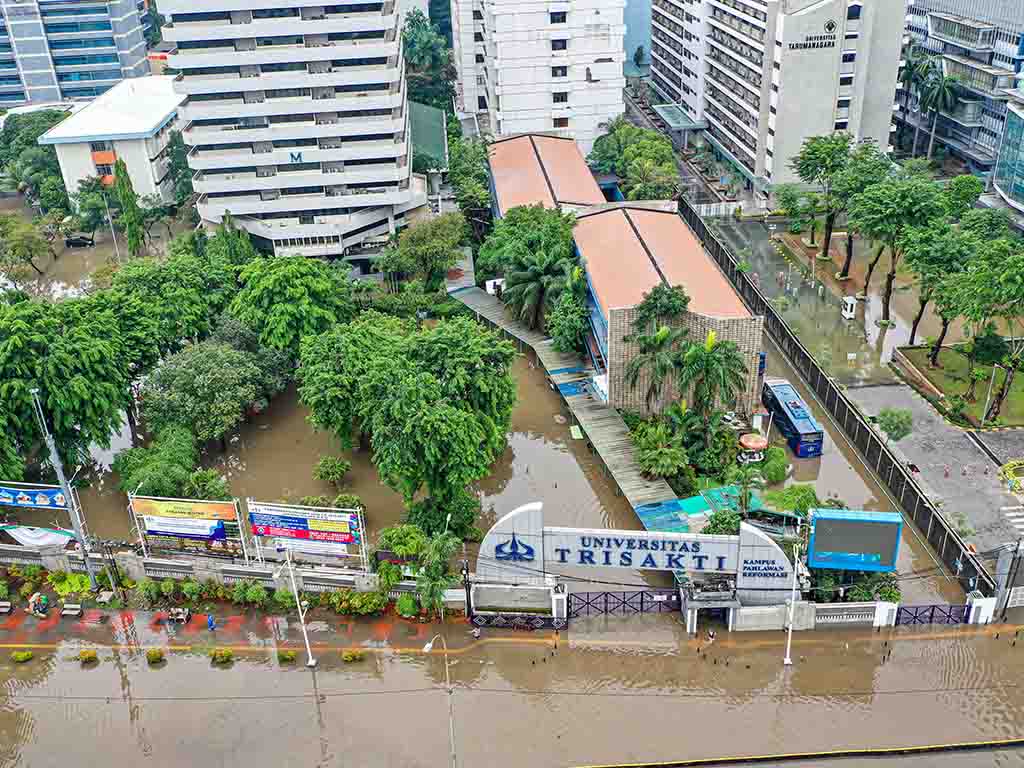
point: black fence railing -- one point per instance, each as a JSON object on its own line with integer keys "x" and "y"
{"x": 932, "y": 614}
{"x": 520, "y": 621}
{"x": 947, "y": 543}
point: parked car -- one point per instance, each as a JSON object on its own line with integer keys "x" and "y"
{"x": 79, "y": 241}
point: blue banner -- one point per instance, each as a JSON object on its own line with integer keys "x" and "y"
{"x": 44, "y": 498}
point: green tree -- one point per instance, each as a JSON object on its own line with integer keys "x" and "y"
{"x": 91, "y": 202}
{"x": 660, "y": 453}
{"x": 431, "y": 513}
{"x": 798, "y": 205}
{"x": 934, "y": 252}
{"x": 799, "y": 498}
{"x": 638, "y": 56}
{"x": 156, "y": 21}
{"x": 332, "y": 469}
{"x": 21, "y": 132}
{"x": 206, "y": 387}
{"x": 434, "y": 577}
{"x": 962, "y": 193}
{"x": 286, "y": 299}
{"x": 663, "y": 304}
{"x": 470, "y": 179}
{"x": 867, "y": 165}
{"x": 748, "y": 479}
{"x": 939, "y": 95}
{"x": 649, "y": 180}
{"x": 131, "y": 214}
{"x": 1009, "y": 307}
{"x": 429, "y": 71}
{"x": 716, "y": 372}
{"x": 568, "y": 324}
{"x": 896, "y": 423}
{"x": 161, "y": 469}
{"x": 429, "y": 248}
{"x": 53, "y": 196}
{"x": 924, "y": 70}
{"x": 885, "y": 211}
{"x": 20, "y": 245}
{"x": 819, "y": 161}
{"x": 722, "y": 522}
{"x": 525, "y": 229}
{"x": 12, "y": 466}
{"x": 657, "y": 359}
{"x": 181, "y": 174}
{"x": 908, "y": 77}
{"x": 534, "y": 283}
{"x": 404, "y": 540}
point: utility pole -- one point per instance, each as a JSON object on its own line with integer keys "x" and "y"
{"x": 58, "y": 467}
{"x": 788, "y": 661}
{"x": 1012, "y": 576}
{"x": 110, "y": 221}
{"x": 469, "y": 589}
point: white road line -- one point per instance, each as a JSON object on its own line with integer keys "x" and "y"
{"x": 1007, "y": 509}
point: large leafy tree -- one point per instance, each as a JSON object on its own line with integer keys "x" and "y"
{"x": 285, "y": 299}
{"x": 716, "y": 372}
{"x": 885, "y": 211}
{"x": 663, "y": 304}
{"x": 434, "y": 577}
{"x": 131, "y": 214}
{"x": 21, "y": 244}
{"x": 524, "y": 229}
{"x": 429, "y": 71}
{"x": 12, "y": 466}
{"x": 206, "y": 387}
{"x": 656, "y": 361}
{"x": 1009, "y": 297}
{"x": 428, "y": 249}
{"x": 470, "y": 179}
{"x": 20, "y": 132}
{"x": 649, "y": 180}
{"x": 643, "y": 158}
{"x": 535, "y": 281}
{"x": 181, "y": 174}
{"x": 818, "y": 162}
{"x": 934, "y": 252}
{"x": 962, "y": 193}
{"x": 866, "y": 166}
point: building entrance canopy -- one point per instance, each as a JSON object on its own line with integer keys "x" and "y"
{"x": 520, "y": 549}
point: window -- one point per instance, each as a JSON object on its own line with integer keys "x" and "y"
{"x": 481, "y": 102}
{"x": 771, "y": 131}
{"x": 843, "y": 104}
{"x": 104, "y": 170}
{"x": 100, "y": 146}
{"x": 559, "y": 71}
{"x": 558, "y": 17}
{"x": 478, "y": 37}
{"x": 772, "y": 110}
{"x": 479, "y": 58}
{"x": 853, "y": 12}
{"x": 777, "y": 65}
{"x": 841, "y": 125}
{"x": 559, "y": 45}
{"x": 477, "y": 16}
{"x": 561, "y": 122}
{"x": 560, "y": 97}
{"x": 846, "y": 80}
{"x": 775, "y": 87}
{"x": 849, "y": 58}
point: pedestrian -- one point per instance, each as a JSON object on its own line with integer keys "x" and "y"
{"x": 945, "y": 470}
{"x": 211, "y": 623}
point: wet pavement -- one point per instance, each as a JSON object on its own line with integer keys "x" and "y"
{"x": 641, "y": 692}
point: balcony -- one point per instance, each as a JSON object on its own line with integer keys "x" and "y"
{"x": 211, "y": 110}
{"x": 205, "y": 182}
{"x": 215, "y": 208}
{"x": 355, "y": 150}
{"x": 977, "y": 76}
{"x": 961, "y": 31}
{"x": 751, "y": 35}
{"x": 724, "y": 75}
{"x": 332, "y": 22}
{"x": 310, "y": 129}
{"x": 967, "y": 113}
{"x": 219, "y": 56}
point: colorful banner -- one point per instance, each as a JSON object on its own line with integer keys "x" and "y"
{"x": 45, "y": 497}
{"x": 144, "y": 506}
{"x": 304, "y": 523}
{"x": 311, "y": 547}
{"x": 183, "y": 528}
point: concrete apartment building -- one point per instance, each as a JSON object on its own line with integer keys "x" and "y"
{"x": 296, "y": 116}
{"x": 760, "y": 76}
{"x": 982, "y": 43}
{"x": 132, "y": 122}
{"x": 527, "y": 66}
{"x": 68, "y": 49}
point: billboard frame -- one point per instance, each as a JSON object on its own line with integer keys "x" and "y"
{"x": 140, "y": 525}
{"x": 259, "y": 547}
{"x": 841, "y": 563}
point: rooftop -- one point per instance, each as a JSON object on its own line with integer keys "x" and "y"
{"x": 429, "y": 136}
{"x": 628, "y": 249}
{"x": 534, "y": 168}
{"x": 133, "y": 109}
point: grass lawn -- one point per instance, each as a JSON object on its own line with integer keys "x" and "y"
{"x": 951, "y": 379}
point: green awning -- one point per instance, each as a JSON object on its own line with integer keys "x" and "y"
{"x": 429, "y": 135}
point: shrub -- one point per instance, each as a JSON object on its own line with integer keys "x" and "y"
{"x": 404, "y": 540}
{"x": 71, "y": 584}
{"x": 57, "y": 577}
{"x": 155, "y": 656}
{"x": 239, "y": 592}
{"x": 27, "y": 589}
{"x": 430, "y": 514}
{"x": 407, "y": 605}
{"x": 775, "y": 466}
{"x": 722, "y": 522}
{"x": 20, "y": 657}
{"x": 222, "y": 656}
{"x": 211, "y": 589}
{"x": 352, "y": 656}
{"x": 32, "y": 572}
{"x": 683, "y": 482}
{"x": 286, "y": 657}
{"x": 315, "y": 501}
{"x": 192, "y": 590}
{"x": 348, "y": 501}
{"x": 897, "y": 423}
{"x": 256, "y": 594}
{"x": 168, "y": 588}
{"x": 5, "y": 590}
{"x": 332, "y": 469}
{"x": 88, "y": 656}
{"x": 388, "y": 574}
{"x": 284, "y": 599}
{"x": 799, "y": 498}
{"x": 347, "y": 602}
{"x": 14, "y": 571}
{"x": 149, "y": 590}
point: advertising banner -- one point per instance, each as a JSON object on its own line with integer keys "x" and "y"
{"x": 305, "y": 523}
{"x": 206, "y": 530}
{"x": 38, "y": 496}
{"x": 184, "y": 508}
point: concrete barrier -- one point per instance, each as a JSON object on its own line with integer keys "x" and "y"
{"x": 773, "y": 617}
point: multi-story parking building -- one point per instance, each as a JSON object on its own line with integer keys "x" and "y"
{"x": 982, "y": 43}
{"x": 764, "y": 75}
{"x": 540, "y": 66}
{"x": 296, "y": 117}
{"x": 67, "y": 49}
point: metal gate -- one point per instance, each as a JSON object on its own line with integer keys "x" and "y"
{"x": 623, "y": 603}
{"x": 931, "y": 614}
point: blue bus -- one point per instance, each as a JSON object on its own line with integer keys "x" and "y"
{"x": 793, "y": 418}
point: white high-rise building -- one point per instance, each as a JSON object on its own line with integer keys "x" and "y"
{"x": 527, "y": 66}
{"x": 763, "y": 75}
{"x": 296, "y": 118}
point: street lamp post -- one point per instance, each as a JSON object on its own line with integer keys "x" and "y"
{"x": 788, "y": 661}
{"x": 451, "y": 692}
{"x": 302, "y": 605}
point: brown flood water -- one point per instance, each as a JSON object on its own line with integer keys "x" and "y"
{"x": 641, "y": 695}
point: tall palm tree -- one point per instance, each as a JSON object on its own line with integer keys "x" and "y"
{"x": 940, "y": 95}
{"x": 747, "y": 478}
{"x": 923, "y": 72}
{"x": 534, "y": 282}
{"x": 717, "y": 373}
{"x": 908, "y": 78}
{"x": 658, "y": 357}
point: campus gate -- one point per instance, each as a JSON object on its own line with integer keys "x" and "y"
{"x": 932, "y": 614}
{"x": 623, "y": 603}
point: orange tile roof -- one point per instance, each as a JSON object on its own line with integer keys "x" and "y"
{"x": 536, "y": 169}
{"x": 627, "y": 251}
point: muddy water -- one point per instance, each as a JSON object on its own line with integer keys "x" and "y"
{"x": 518, "y": 702}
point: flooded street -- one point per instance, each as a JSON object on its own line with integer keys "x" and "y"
{"x": 640, "y": 694}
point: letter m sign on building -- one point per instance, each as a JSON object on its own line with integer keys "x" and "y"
{"x": 295, "y": 157}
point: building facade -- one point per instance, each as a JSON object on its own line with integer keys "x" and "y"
{"x": 133, "y": 122}
{"x": 296, "y": 116}
{"x": 69, "y": 49}
{"x": 527, "y": 66}
{"x": 764, "y": 75}
{"x": 982, "y": 43}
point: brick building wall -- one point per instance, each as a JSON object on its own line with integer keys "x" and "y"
{"x": 744, "y": 332}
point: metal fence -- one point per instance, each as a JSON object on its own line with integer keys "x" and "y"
{"x": 932, "y": 614}
{"x": 623, "y": 603}
{"x": 521, "y": 621}
{"x": 946, "y": 542}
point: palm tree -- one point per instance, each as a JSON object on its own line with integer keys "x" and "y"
{"x": 658, "y": 357}
{"x": 748, "y": 479}
{"x": 534, "y": 282}
{"x": 717, "y": 373}
{"x": 908, "y": 78}
{"x": 940, "y": 95}
{"x": 922, "y": 74}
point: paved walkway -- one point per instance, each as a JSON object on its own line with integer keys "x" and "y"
{"x": 971, "y": 487}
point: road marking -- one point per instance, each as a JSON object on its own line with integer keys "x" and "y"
{"x": 1007, "y": 509}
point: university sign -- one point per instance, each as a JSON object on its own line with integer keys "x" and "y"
{"x": 520, "y": 549}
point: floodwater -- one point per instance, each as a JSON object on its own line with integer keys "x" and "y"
{"x": 521, "y": 700}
